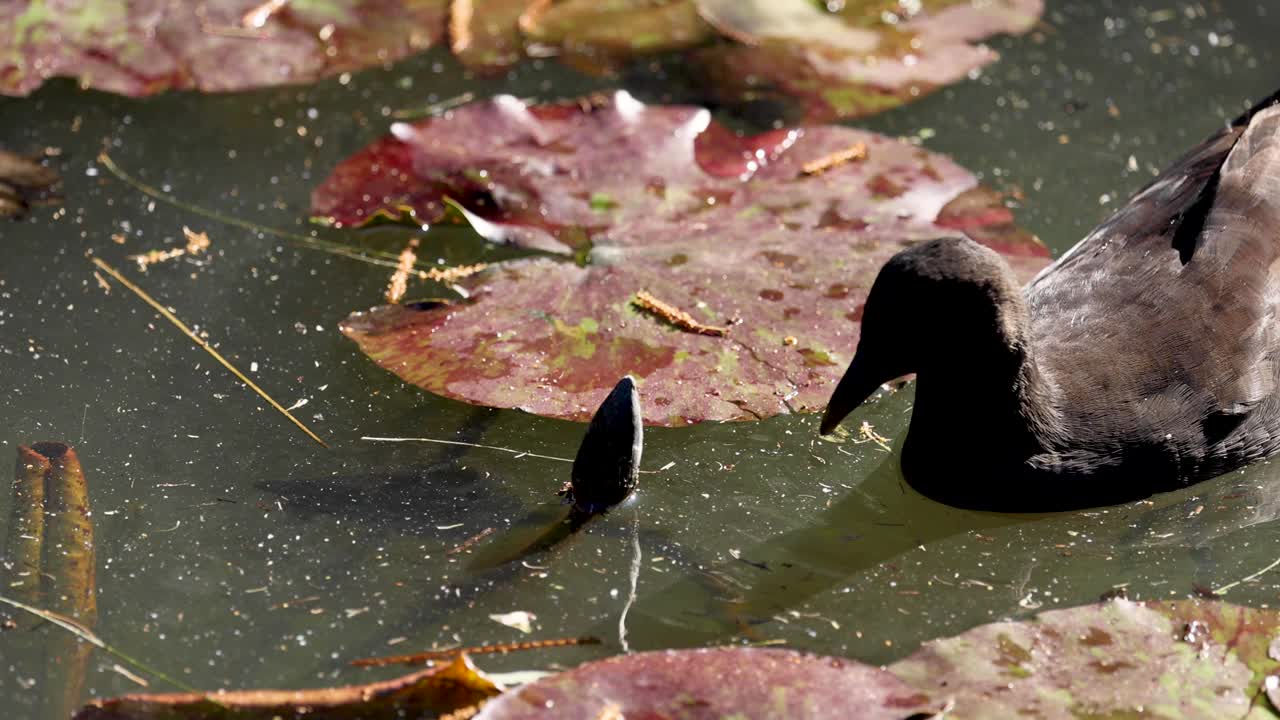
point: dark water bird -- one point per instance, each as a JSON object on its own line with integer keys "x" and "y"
{"x": 1143, "y": 360}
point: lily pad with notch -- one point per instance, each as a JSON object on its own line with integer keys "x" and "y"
{"x": 722, "y": 272}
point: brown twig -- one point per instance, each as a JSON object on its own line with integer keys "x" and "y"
{"x": 164, "y": 312}
{"x": 857, "y": 151}
{"x": 674, "y": 315}
{"x": 503, "y": 648}
{"x": 471, "y": 541}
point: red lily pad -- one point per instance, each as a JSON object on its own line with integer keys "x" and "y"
{"x": 1115, "y": 659}
{"x": 867, "y": 57}
{"x": 765, "y": 244}
{"x": 146, "y": 46}
{"x": 746, "y": 683}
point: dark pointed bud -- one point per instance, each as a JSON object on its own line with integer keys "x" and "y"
{"x": 607, "y": 467}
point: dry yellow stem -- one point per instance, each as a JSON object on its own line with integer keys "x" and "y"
{"x": 858, "y": 151}
{"x": 167, "y": 315}
{"x": 674, "y": 315}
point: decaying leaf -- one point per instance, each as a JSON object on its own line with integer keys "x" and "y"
{"x": 146, "y": 46}
{"x": 24, "y": 181}
{"x": 49, "y": 560}
{"x": 617, "y": 196}
{"x": 439, "y": 689}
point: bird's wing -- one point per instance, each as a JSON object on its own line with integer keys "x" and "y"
{"x": 1176, "y": 292}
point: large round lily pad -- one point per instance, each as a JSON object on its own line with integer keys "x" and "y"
{"x": 766, "y": 245}
{"x": 145, "y": 46}
{"x": 750, "y": 684}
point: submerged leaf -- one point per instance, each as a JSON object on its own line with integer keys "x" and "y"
{"x": 22, "y": 182}
{"x": 440, "y": 689}
{"x": 729, "y": 230}
{"x": 869, "y": 56}
{"x": 745, "y": 683}
{"x": 146, "y": 46}
{"x": 49, "y": 558}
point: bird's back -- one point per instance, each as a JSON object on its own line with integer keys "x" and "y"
{"x": 1158, "y": 330}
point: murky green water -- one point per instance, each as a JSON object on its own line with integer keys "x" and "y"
{"x": 232, "y": 551}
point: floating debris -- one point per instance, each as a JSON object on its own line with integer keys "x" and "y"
{"x": 197, "y": 243}
{"x": 857, "y": 151}
{"x": 674, "y": 315}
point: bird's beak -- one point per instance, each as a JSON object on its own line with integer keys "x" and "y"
{"x": 858, "y": 383}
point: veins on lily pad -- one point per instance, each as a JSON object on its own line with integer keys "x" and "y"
{"x": 739, "y": 234}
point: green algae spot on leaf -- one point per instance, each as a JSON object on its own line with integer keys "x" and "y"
{"x": 1110, "y": 660}
{"x": 777, "y": 240}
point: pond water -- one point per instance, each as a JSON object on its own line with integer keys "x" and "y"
{"x": 234, "y": 552}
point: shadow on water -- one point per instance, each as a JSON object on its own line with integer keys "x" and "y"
{"x": 884, "y": 518}
{"x": 410, "y": 482}
{"x": 879, "y": 520}
{"x": 542, "y": 529}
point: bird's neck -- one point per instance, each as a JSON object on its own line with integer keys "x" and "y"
{"x": 990, "y": 398}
